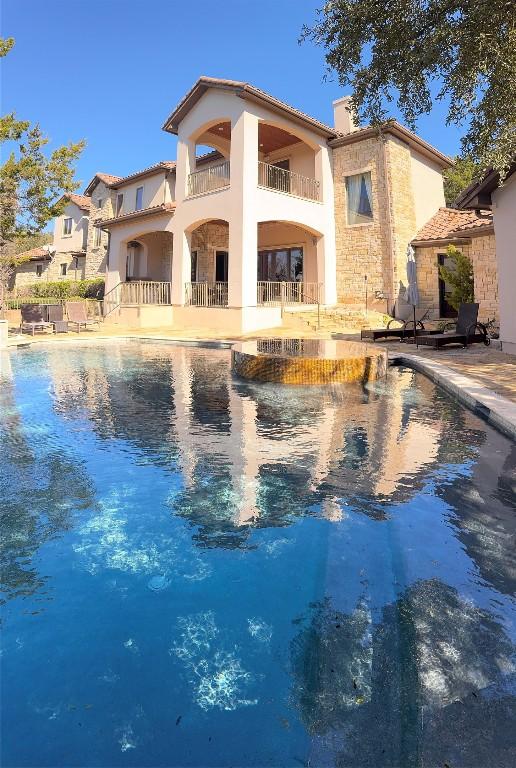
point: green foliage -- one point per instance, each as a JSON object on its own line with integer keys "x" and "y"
{"x": 459, "y": 277}
{"x": 400, "y": 49}
{"x": 27, "y": 242}
{"x": 66, "y": 289}
{"x": 459, "y": 177}
{"x": 32, "y": 183}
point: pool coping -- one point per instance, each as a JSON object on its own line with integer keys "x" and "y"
{"x": 496, "y": 409}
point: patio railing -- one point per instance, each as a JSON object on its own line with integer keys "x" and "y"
{"x": 145, "y": 292}
{"x": 272, "y": 177}
{"x": 209, "y": 179}
{"x": 288, "y": 294}
{"x": 206, "y": 294}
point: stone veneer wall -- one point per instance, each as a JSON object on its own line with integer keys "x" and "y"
{"x": 482, "y": 252}
{"x": 379, "y": 249}
{"x": 360, "y": 249}
{"x": 26, "y": 273}
{"x": 402, "y": 208}
{"x": 206, "y": 240}
{"x": 96, "y": 254}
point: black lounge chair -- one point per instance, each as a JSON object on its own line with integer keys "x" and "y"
{"x": 32, "y": 319}
{"x": 406, "y": 330}
{"x": 467, "y": 330}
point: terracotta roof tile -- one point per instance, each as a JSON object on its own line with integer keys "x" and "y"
{"x": 168, "y": 165}
{"x": 107, "y": 178}
{"x": 81, "y": 201}
{"x": 34, "y": 254}
{"x": 450, "y": 222}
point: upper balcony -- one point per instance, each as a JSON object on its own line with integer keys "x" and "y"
{"x": 287, "y": 164}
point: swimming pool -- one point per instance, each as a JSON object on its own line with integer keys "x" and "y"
{"x": 201, "y": 571}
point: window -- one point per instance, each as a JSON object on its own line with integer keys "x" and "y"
{"x": 359, "y": 199}
{"x": 99, "y": 202}
{"x": 63, "y": 270}
{"x": 193, "y": 269}
{"x": 67, "y": 227}
{"x": 281, "y": 264}
{"x": 139, "y": 199}
{"x": 39, "y": 270}
{"x": 119, "y": 203}
{"x": 97, "y": 238}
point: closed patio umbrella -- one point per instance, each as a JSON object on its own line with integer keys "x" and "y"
{"x": 412, "y": 293}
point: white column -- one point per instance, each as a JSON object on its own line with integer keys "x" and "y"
{"x": 180, "y": 266}
{"x": 326, "y": 250}
{"x": 184, "y": 166}
{"x": 243, "y": 236}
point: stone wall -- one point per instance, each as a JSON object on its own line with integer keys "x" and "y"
{"x": 378, "y": 249}
{"x": 96, "y": 254}
{"x": 481, "y": 250}
{"x": 361, "y": 249}
{"x": 26, "y": 273}
{"x": 206, "y": 240}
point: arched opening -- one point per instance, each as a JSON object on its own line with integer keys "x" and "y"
{"x": 209, "y": 264}
{"x": 149, "y": 257}
{"x": 212, "y": 151}
{"x": 287, "y": 266}
{"x": 286, "y": 162}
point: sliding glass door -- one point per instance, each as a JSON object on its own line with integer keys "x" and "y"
{"x": 281, "y": 265}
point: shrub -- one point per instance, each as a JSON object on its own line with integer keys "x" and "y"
{"x": 460, "y": 277}
{"x": 66, "y": 289}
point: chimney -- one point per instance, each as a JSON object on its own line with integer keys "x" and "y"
{"x": 342, "y": 117}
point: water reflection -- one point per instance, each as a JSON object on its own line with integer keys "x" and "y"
{"x": 41, "y": 489}
{"x": 435, "y": 674}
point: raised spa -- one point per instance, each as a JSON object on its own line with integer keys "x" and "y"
{"x": 308, "y": 361}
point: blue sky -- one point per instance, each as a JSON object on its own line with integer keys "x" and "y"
{"x": 110, "y": 71}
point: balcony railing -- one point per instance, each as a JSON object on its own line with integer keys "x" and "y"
{"x": 209, "y": 179}
{"x": 206, "y": 294}
{"x": 272, "y": 177}
{"x": 288, "y": 294}
{"x": 145, "y": 292}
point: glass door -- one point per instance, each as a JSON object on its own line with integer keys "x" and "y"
{"x": 221, "y": 266}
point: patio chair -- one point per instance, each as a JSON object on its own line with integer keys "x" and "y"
{"x": 76, "y": 314}
{"x": 32, "y": 319}
{"x": 406, "y": 330}
{"x": 465, "y": 333}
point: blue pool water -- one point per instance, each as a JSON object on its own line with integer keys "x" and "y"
{"x": 200, "y": 571}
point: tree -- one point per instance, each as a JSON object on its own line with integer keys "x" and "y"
{"x": 459, "y": 277}
{"x": 398, "y": 49}
{"x": 460, "y": 176}
{"x": 32, "y": 183}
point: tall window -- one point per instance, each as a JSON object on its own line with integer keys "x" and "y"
{"x": 139, "y": 199}
{"x": 99, "y": 202}
{"x": 39, "y": 270}
{"x": 119, "y": 203}
{"x": 97, "y": 238}
{"x": 67, "y": 227}
{"x": 63, "y": 270}
{"x": 193, "y": 268}
{"x": 359, "y": 197}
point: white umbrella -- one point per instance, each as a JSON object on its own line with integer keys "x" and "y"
{"x": 412, "y": 293}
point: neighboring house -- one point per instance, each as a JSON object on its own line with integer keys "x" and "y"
{"x": 501, "y": 200}
{"x": 473, "y": 233}
{"x": 65, "y": 258}
{"x": 284, "y": 208}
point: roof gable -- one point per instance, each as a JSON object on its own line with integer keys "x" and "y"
{"x": 244, "y": 91}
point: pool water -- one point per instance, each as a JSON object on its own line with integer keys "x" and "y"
{"x": 200, "y": 571}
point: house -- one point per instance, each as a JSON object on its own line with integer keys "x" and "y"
{"x": 501, "y": 201}
{"x": 65, "y": 259}
{"x": 473, "y": 233}
{"x": 284, "y": 211}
